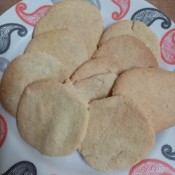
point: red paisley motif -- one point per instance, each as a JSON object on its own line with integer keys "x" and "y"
{"x": 167, "y": 46}
{"x": 31, "y": 18}
{"x": 152, "y": 167}
{"x": 3, "y": 130}
{"x": 124, "y": 6}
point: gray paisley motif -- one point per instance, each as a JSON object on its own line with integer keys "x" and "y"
{"x": 3, "y": 64}
{"x": 149, "y": 15}
{"x": 22, "y": 168}
{"x": 168, "y": 152}
{"x": 5, "y": 34}
{"x": 94, "y": 2}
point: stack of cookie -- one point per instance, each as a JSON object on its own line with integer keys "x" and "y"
{"x": 74, "y": 89}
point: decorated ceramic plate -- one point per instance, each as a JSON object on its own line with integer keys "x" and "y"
{"x": 16, "y": 27}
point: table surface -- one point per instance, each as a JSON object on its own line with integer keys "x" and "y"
{"x": 166, "y": 6}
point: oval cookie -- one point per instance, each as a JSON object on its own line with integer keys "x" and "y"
{"x": 128, "y": 52}
{"x": 78, "y": 16}
{"x": 22, "y": 71}
{"x": 95, "y": 78}
{"x": 52, "y": 118}
{"x": 65, "y": 46}
{"x": 137, "y": 29}
{"x": 118, "y": 134}
{"x": 96, "y": 87}
{"x": 95, "y": 66}
{"x": 154, "y": 92}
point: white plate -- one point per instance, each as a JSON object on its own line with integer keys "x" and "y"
{"x": 16, "y": 27}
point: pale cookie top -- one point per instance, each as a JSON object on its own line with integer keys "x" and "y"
{"x": 52, "y": 118}
{"x": 96, "y": 66}
{"x": 96, "y": 87}
{"x": 22, "y": 71}
{"x": 154, "y": 92}
{"x": 118, "y": 135}
{"x": 78, "y": 16}
{"x": 65, "y": 46}
{"x": 136, "y": 29}
{"x": 128, "y": 51}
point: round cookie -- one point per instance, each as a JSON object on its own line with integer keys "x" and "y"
{"x": 137, "y": 29}
{"x": 95, "y": 66}
{"x": 96, "y": 87}
{"x": 22, "y": 71}
{"x": 128, "y": 52}
{"x": 52, "y": 118}
{"x": 65, "y": 46}
{"x": 78, "y": 16}
{"x": 118, "y": 135}
{"x": 154, "y": 92}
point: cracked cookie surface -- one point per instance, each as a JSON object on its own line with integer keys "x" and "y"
{"x": 136, "y": 29}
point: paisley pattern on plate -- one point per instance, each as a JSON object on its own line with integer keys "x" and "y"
{"x": 3, "y": 130}
{"x": 167, "y": 151}
{"x": 124, "y": 6}
{"x": 167, "y": 46}
{"x": 5, "y": 34}
{"x": 31, "y": 18}
{"x": 22, "y": 168}
{"x": 152, "y": 167}
{"x": 149, "y": 15}
{"x": 3, "y": 64}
